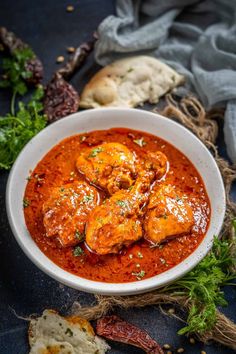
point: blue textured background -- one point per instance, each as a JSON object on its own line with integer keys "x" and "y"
{"x": 24, "y": 289}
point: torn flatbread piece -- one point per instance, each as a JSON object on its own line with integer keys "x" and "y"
{"x": 54, "y": 334}
{"x": 130, "y": 82}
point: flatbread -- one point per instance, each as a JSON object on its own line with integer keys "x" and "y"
{"x": 130, "y": 82}
{"x": 52, "y": 333}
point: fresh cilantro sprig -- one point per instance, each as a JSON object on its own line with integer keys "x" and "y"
{"x": 15, "y": 73}
{"x": 202, "y": 286}
{"x": 16, "y": 130}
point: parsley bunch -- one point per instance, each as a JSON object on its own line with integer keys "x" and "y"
{"x": 16, "y": 130}
{"x": 202, "y": 286}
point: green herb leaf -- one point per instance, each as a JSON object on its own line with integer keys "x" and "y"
{"x": 123, "y": 203}
{"x": 202, "y": 286}
{"x": 80, "y": 236}
{"x": 139, "y": 275}
{"x": 15, "y": 70}
{"x": 95, "y": 152}
{"x": 26, "y": 203}
{"x": 87, "y": 199}
{"x": 140, "y": 255}
{"x": 78, "y": 251}
{"x": 17, "y": 130}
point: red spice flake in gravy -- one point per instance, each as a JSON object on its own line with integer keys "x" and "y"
{"x": 140, "y": 260}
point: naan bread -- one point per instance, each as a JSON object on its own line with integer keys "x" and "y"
{"x": 130, "y": 82}
{"x": 54, "y": 334}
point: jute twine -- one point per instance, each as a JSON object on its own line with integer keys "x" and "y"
{"x": 189, "y": 112}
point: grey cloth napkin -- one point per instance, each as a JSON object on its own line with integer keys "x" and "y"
{"x": 197, "y": 38}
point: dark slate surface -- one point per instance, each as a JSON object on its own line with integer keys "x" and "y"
{"x": 24, "y": 289}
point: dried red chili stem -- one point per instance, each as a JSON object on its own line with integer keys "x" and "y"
{"x": 77, "y": 60}
{"x": 12, "y": 43}
{"x": 114, "y": 328}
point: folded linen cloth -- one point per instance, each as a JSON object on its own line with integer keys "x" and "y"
{"x": 197, "y": 38}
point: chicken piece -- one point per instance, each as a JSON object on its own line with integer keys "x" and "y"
{"x": 156, "y": 161}
{"x": 66, "y": 211}
{"x": 110, "y": 166}
{"x": 168, "y": 214}
{"x": 116, "y": 223}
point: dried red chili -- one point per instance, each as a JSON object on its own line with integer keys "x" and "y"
{"x": 12, "y": 43}
{"x": 114, "y": 328}
{"x": 77, "y": 60}
{"x": 61, "y": 98}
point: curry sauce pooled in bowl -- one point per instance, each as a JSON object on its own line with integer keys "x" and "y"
{"x": 116, "y": 205}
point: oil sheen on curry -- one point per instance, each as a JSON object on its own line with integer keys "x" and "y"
{"x": 116, "y": 205}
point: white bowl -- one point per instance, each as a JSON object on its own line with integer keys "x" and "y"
{"x": 90, "y": 120}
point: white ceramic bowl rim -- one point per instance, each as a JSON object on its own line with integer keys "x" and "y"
{"x": 106, "y": 118}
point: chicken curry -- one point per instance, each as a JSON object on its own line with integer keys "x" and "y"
{"x": 116, "y": 205}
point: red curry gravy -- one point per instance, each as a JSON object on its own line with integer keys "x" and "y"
{"x": 141, "y": 260}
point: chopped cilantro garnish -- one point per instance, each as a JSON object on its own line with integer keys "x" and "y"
{"x": 87, "y": 198}
{"x": 78, "y": 251}
{"x": 140, "y": 255}
{"x": 79, "y": 235}
{"x": 123, "y": 203}
{"x": 139, "y": 275}
{"x": 26, "y": 203}
{"x": 95, "y": 151}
